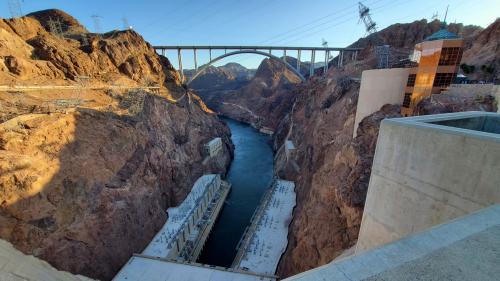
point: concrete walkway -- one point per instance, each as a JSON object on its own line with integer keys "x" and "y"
{"x": 463, "y": 249}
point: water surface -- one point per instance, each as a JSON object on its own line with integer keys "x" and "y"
{"x": 250, "y": 174}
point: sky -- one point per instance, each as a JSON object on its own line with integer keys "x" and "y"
{"x": 256, "y": 22}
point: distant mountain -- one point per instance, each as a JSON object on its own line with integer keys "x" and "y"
{"x": 226, "y": 77}
{"x": 238, "y": 71}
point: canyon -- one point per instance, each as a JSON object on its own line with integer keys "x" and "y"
{"x": 94, "y": 181}
{"x": 89, "y": 172}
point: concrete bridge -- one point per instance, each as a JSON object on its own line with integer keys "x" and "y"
{"x": 260, "y": 50}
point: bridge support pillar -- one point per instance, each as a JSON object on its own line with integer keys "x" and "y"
{"x": 327, "y": 55}
{"x": 313, "y": 59}
{"x": 179, "y": 58}
{"x": 210, "y": 54}
{"x": 284, "y": 56}
{"x": 195, "y": 60}
{"x": 298, "y": 61}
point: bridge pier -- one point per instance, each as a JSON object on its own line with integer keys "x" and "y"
{"x": 195, "y": 60}
{"x": 210, "y": 54}
{"x": 298, "y": 61}
{"x": 313, "y": 59}
{"x": 284, "y": 56}
{"x": 179, "y": 58}
{"x": 325, "y": 69}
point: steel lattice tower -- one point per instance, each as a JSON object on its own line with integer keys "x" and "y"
{"x": 381, "y": 51}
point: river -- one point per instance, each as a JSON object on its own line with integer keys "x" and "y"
{"x": 250, "y": 174}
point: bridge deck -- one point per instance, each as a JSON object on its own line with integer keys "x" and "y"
{"x": 186, "y": 47}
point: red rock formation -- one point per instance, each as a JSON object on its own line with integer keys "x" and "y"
{"x": 483, "y": 52}
{"x": 84, "y": 188}
{"x": 331, "y": 169}
{"x": 265, "y": 99}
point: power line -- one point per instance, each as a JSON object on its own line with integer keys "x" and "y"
{"x": 15, "y": 8}
{"x": 336, "y": 24}
{"x": 193, "y": 15}
{"x": 97, "y": 23}
{"x": 346, "y": 9}
{"x": 164, "y": 16}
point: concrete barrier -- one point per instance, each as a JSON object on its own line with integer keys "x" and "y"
{"x": 428, "y": 170}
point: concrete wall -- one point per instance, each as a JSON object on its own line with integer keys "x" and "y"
{"x": 425, "y": 174}
{"x": 16, "y": 266}
{"x": 379, "y": 87}
{"x": 461, "y": 250}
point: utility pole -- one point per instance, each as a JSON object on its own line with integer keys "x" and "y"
{"x": 15, "y": 8}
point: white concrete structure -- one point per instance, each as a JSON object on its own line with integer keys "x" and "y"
{"x": 187, "y": 224}
{"x": 465, "y": 249}
{"x": 428, "y": 170}
{"x": 378, "y": 88}
{"x": 214, "y": 147}
{"x": 150, "y": 269}
{"x": 16, "y": 266}
{"x": 267, "y": 237}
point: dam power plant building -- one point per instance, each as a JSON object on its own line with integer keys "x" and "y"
{"x": 174, "y": 250}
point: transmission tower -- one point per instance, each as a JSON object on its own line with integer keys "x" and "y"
{"x": 55, "y": 27}
{"x": 126, "y": 25}
{"x": 435, "y": 16}
{"x": 97, "y": 23}
{"x": 364, "y": 15}
{"x": 381, "y": 51}
{"x": 15, "y": 8}
{"x": 324, "y": 43}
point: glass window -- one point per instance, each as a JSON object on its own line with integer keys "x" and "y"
{"x": 443, "y": 79}
{"x": 450, "y": 56}
{"x": 411, "y": 80}
{"x": 407, "y": 100}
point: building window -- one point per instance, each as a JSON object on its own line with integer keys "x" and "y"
{"x": 450, "y": 56}
{"x": 407, "y": 100}
{"x": 443, "y": 79}
{"x": 411, "y": 80}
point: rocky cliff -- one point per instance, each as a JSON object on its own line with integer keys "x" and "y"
{"x": 482, "y": 54}
{"x": 264, "y": 100}
{"x": 88, "y": 171}
{"x": 330, "y": 168}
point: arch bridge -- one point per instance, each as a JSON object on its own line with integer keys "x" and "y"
{"x": 260, "y": 50}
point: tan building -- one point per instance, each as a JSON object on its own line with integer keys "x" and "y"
{"x": 379, "y": 87}
{"x": 438, "y": 58}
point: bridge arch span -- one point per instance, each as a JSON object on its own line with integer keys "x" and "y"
{"x": 271, "y": 56}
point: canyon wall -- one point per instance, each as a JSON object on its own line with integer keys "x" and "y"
{"x": 86, "y": 174}
{"x": 262, "y": 101}
{"x": 331, "y": 169}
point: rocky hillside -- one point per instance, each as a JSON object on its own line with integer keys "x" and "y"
{"x": 263, "y": 101}
{"x": 482, "y": 54}
{"x": 88, "y": 170}
{"x": 330, "y": 168}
